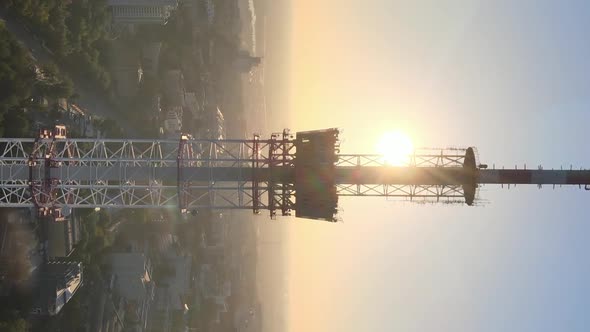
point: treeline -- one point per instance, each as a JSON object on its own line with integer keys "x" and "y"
{"x": 17, "y": 325}
{"x": 17, "y": 74}
{"x": 23, "y": 85}
{"x": 75, "y": 31}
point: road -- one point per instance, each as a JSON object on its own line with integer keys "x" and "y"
{"x": 90, "y": 99}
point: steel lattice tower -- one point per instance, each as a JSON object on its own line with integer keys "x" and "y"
{"x": 304, "y": 173}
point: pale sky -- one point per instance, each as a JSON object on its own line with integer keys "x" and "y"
{"x": 509, "y": 77}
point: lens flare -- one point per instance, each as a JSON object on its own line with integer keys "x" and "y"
{"x": 396, "y": 148}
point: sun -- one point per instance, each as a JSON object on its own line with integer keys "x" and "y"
{"x": 396, "y": 148}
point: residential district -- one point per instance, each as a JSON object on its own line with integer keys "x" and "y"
{"x": 172, "y": 66}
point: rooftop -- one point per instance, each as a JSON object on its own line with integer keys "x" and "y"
{"x": 59, "y": 282}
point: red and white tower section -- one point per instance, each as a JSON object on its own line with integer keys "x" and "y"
{"x": 301, "y": 174}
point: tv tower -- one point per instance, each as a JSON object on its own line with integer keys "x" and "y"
{"x": 301, "y": 174}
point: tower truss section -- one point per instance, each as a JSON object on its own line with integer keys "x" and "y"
{"x": 415, "y": 180}
{"x": 304, "y": 173}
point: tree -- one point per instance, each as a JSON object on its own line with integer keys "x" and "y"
{"x": 19, "y": 269}
{"x": 16, "y": 71}
{"x": 74, "y": 30}
{"x": 104, "y": 218}
{"x": 55, "y": 115}
{"x": 16, "y": 124}
{"x": 19, "y": 325}
{"x": 62, "y": 89}
{"x": 72, "y": 317}
{"x": 109, "y": 128}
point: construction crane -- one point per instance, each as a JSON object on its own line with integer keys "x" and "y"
{"x": 302, "y": 173}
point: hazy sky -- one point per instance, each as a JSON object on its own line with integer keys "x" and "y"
{"x": 510, "y": 77}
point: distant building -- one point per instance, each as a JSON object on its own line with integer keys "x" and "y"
{"x": 172, "y": 124}
{"x": 198, "y": 13}
{"x": 210, "y": 10}
{"x": 213, "y": 244}
{"x": 191, "y": 104}
{"x": 214, "y": 254}
{"x": 244, "y": 62}
{"x": 215, "y": 123}
{"x": 172, "y": 294}
{"x": 141, "y": 11}
{"x": 225, "y": 17}
{"x": 179, "y": 283}
{"x": 132, "y": 277}
{"x": 215, "y": 290}
{"x": 59, "y": 281}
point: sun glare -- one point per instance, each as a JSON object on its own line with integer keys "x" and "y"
{"x": 396, "y": 148}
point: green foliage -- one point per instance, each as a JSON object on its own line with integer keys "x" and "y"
{"x": 72, "y": 316}
{"x": 87, "y": 25}
{"x": 16, "y": 124}
{"x": 21, "y": 83}
{"x": 54, "y": 84}
{"x": 109, "y": 128}
{"x": 19, "y": 325}
{"x": 76, "y": 31}
{"x": 91, "y": 250}
{"x": 104, "y": 219}
{"x": 16, "y": 71}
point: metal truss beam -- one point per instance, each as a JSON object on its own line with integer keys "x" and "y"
{"x": 139, "y": 173}
{"x": 53, "y": 172}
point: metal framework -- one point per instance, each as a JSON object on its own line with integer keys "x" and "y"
{"x": 54, "y": 173}
{"x": 424, "y": 157}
